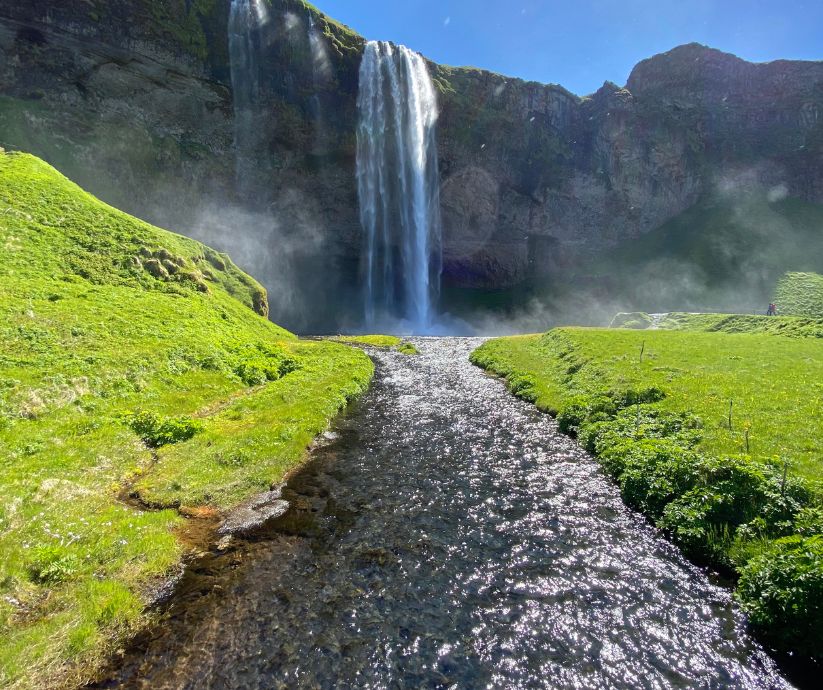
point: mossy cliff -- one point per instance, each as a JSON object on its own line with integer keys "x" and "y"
{"x": 133, "y": 98}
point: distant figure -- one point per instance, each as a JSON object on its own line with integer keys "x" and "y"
{"x": 772, "y": 310}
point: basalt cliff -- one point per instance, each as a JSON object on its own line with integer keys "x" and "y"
{"x": 134, "y": 100}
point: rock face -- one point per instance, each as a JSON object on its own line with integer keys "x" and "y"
{"x": 133, "y": 98}
{"x": 547, "y": 178}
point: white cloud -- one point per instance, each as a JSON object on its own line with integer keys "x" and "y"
{"x": 447, "y": 21}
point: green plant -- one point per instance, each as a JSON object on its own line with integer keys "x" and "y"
{"x": 157, "y": 431}
{"x": 407, "y": 348}
{"x": 51, "y": 565}
{"x": 782, "y": 591}
{"x": 260, "y": 363}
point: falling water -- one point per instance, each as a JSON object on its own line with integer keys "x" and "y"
{"x": 397, "y": 180}
{"x": 246, "y": 18}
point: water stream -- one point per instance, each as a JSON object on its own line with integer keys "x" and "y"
{"x": 449, "y": 537}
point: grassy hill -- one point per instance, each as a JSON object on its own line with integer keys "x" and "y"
{"x": 788, "y": 326}
{"x": 715, "y": 436}
{"x": 801, "y": 294}
{"x": 133, "y": 362}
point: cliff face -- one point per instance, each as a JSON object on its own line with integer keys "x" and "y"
{"x": 133, "y": 99}
{"x": 561, "y": 178}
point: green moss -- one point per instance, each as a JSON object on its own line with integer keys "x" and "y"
{"x": 116, "y": 375}
{"x": 407, "y": 348}
{"x": 343, "y": 38}
{"x": 184, "y": 23}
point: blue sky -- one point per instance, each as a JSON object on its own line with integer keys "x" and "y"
{"x": 582, "y": 43}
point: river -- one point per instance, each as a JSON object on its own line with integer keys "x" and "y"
{"x": 447, "y": 536}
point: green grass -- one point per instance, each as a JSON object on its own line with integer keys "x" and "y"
{"x": 131, "y": 359}
{"x": 714, "y": 436}
{"x": 776, "y": 383}
{"x": 382, "y": 341}
{"x": 637, "y": 320}
{"x": 788, "y": 326}
{"x": 800, "y": 294}
{"x": 386, "y": 341}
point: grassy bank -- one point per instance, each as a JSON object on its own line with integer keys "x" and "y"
{"x": 390, "y": 342}
{"x": 787, "y": 326}
{"x": 132, "y": 361}
{"x": 698, "y": 429}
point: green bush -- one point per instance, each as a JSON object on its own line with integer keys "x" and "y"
{"x": 640, "y": 421}
{"x": 730, "y": 493}
{"x": 655, "y": 473}
{"x": 157, "y": 431}
{"x": 523, "y": 386}
{"x": 261, "y": 363}
{"x": 590, "y": 409}
{"x": 782, "y": 592}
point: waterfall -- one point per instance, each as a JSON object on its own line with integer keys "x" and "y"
{"x": 246, "y": 18}
{"x": 398, "y": 186}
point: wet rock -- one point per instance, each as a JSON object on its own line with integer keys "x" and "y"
{"x": 254, "y": 513}
{"x": 225, "y": 543}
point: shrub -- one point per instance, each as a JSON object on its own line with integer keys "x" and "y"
{"x": 782, "y": 591}
{"x": 586, "y": 409}
{"x": 731, "y": 492}
{"x": 641, "y": 421}
{"x": 258, "y": 364}
{"x": 156, "y": 430}
{"x": 590, "y": 409}
{"x": 655, "y": 473}
{"x": 523, "y": 386}
{"x": 809, "y": 521}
